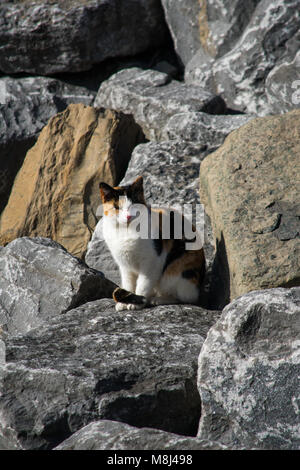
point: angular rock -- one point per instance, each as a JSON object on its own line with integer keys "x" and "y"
{"x": 249, "y": 370}
{"x": 202, "y": 128}
{"x": 39, "y": 279}
{"x": 206, "y": 24}
{"x": 111, "y": 435}
{"x": 70, "y": 36}
{"x": 95, "y": 363}
{"x": 240, "y": 75}
{"x": 56, "y": 192}
{"x": 250, "y": 189}
{"x": 170, "y": 170}
{"x": 26, "y": 105}
{"x": 152, "y": 97}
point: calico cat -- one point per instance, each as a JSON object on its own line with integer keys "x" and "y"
{"x": 160, "y": 269}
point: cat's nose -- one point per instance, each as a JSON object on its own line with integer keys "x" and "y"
{"x": 128, "y": 216}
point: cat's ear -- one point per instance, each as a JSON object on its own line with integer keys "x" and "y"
{"x": 106, "y": 192}
{"x": 138, "y": 184}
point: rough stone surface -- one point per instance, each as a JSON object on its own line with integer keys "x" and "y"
{"x": 26, "y": 105}
{"x": 47, "y": 37}
{"x": 249, "y": 369}
{"x": 56, "y": 192}
{"x": 202, "y": 128}
{"x": 152, "y": 97}
{"x": 250, "y": 189}
{"x": 39, "y": 279}
{"x": 95, "y": 363}
{"x": 170, "y": 171}
{"x": 208, "y": 25}
{"x": 240, "y": 75}
{"x": 111, "y": 435}
{"x": 283, "y": 85}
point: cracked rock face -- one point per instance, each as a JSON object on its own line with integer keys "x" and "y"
{"x": 95, "y": 363}
{"x": 213, "y": 27}
{"x": 240, "y": 75}
{"x": 248, "y": 374}
{"x": 46, "y": 37}
{"x": 250, "y": 190}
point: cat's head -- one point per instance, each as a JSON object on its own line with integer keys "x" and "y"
{"x": 121, "y": 202}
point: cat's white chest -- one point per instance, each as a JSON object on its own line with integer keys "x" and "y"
{"x": 126, "y": 247}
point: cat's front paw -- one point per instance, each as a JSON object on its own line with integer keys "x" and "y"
{"x": 120, "y": 306}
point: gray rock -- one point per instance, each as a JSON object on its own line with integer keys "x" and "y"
{"x": 207, "y": 25}
{"x": 283, "y": 85}
{"x": 95, "y": 363}
{"x": 240, "y": 75}
{"x": 248, "y": 375}
{"x": 8, "y": 439}
{"x": 183, "y": 22}
{"x": 46, "y": 37}
{"x": 152, "y": 97}
{"x": 201, "y": 128}
{"x": 39, "y": 279}
{"x": 111, "y": 435}
{"x": 26, "y": 105}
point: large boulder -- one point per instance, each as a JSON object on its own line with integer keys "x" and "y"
{"x": 39, "y": 279}
{"x": 26, "y": 105}
{"x": 251, "y": 191}
{"x": 152, "y": 97}
{"x": 46, "y": 37}
{"x": 240, "y": 75}
{"x": 248, "y": 375}
{"x": 56, "y": 191}
{"x": 112, "y": 435}
{"x": 210, "y": 26}
{"x": 94, "y": 363}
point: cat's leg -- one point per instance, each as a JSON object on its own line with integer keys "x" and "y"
{"x": 144, "y": 286}
{"x": 128, "y": 283}
{"x": 128, "y": 279}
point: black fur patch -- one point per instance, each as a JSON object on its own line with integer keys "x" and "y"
{"x": 158, "y": 245}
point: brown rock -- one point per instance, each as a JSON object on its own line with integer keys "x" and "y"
{"x": 56, "y": 192}
{"x": 250, "y": 188}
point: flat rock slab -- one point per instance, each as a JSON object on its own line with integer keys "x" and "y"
{"x": 250, "y": 188}
{"x": 111, "y": 435}
{"x": 39, "y": 279}
{"x": 152, "y": 97}
{"x": 249, "y": 370}
{"x": 95, "y": 363}
{"x": 46, "y": 37}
